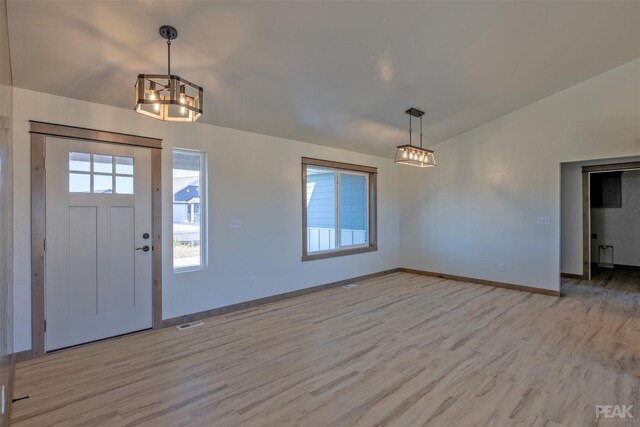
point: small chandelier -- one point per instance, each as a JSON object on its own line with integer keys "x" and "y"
{"x": 412, "y": 155}
{"x": 167, "y": 96}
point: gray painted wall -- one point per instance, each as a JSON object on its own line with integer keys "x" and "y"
{"x": 620, "y": 227}
{"x": 6, "y": 216}
{"x": 470, "y": 215}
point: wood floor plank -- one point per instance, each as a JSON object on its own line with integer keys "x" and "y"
{"x": 398, "y": 350}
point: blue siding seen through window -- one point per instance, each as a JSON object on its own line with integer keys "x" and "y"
{"x": 322, "y": 212}
{"x": 353, "y": 202}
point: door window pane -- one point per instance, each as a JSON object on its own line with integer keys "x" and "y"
{"x": 124, "y": 184}
{"x": 80, "y": 162}
{"x": 103, "y": 184}
{"x": 321, "y": 209}
{"x": 102, "y": 174}
{"x": 189, "y": 212}
{"x": 353, "y": 209}
{"x": 124, "y": 165}
{"x": 79, "y": 183}
{"x": 102, "y": 163}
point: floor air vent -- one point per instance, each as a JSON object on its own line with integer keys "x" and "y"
{"x": 190, "y": 325}
{"x": 351, "y": 285}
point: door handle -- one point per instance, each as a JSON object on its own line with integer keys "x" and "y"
{"x": 145, "y": 248}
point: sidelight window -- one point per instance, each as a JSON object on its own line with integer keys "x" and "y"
{"x": 189, "y": 210}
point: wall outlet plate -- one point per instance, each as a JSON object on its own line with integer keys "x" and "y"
{"x": 235, "y": 223}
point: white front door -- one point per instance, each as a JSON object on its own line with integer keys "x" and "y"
{"x": 99, "y": 241}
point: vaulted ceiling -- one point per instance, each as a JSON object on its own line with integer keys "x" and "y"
{"x": 338, "y": 73}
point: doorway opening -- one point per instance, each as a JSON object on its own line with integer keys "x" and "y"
{"x": 600, "y": 231}
{"x": 613, "y": 228}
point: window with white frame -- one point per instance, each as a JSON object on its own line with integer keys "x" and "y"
{"x": 189, "y": 210}
{"x": 100, "y": 173}
{"x": 338, "y": 209}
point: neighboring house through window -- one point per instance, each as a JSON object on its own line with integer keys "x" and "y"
{"x": 189, "y": 215}
{"x": 186, "y": 199}
{"x": 340, "y": 209}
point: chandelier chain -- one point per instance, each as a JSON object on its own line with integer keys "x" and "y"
{"x": 169, "y": 57}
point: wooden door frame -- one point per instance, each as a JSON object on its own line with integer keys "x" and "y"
{"x": 586, "y": 208}
{"x": 40, "y": 134}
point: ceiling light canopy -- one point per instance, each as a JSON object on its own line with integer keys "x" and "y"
{"x": 412, "y": 155}
{"x": 167, "y": 96}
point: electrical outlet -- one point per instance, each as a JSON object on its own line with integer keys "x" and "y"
{"x": 501, "y": 267}
{"x": 252, "y": 280}
{"x": 235, "y": 223}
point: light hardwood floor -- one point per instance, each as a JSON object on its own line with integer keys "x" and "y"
{"x": 401, "y": 350}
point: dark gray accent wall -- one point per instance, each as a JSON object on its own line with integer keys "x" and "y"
{"x": 6, "y": 217}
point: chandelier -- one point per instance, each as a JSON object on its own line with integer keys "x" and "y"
{"x": 166, "y": 96}
{"x": 412, "y": 155}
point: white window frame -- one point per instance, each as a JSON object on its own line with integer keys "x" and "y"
{"x": 91, "y": 173}
{"x": 371, "y": 217}
{"x": 204, "y": 209}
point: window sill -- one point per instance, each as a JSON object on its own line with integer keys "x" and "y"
{"x": 344, "y": 252}
{"x": 188, "y": 269}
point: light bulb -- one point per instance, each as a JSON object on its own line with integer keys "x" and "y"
{"x": 404, "y": 154}
{"x": 182, "y": 100}
{"x": 155, "y": 95}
